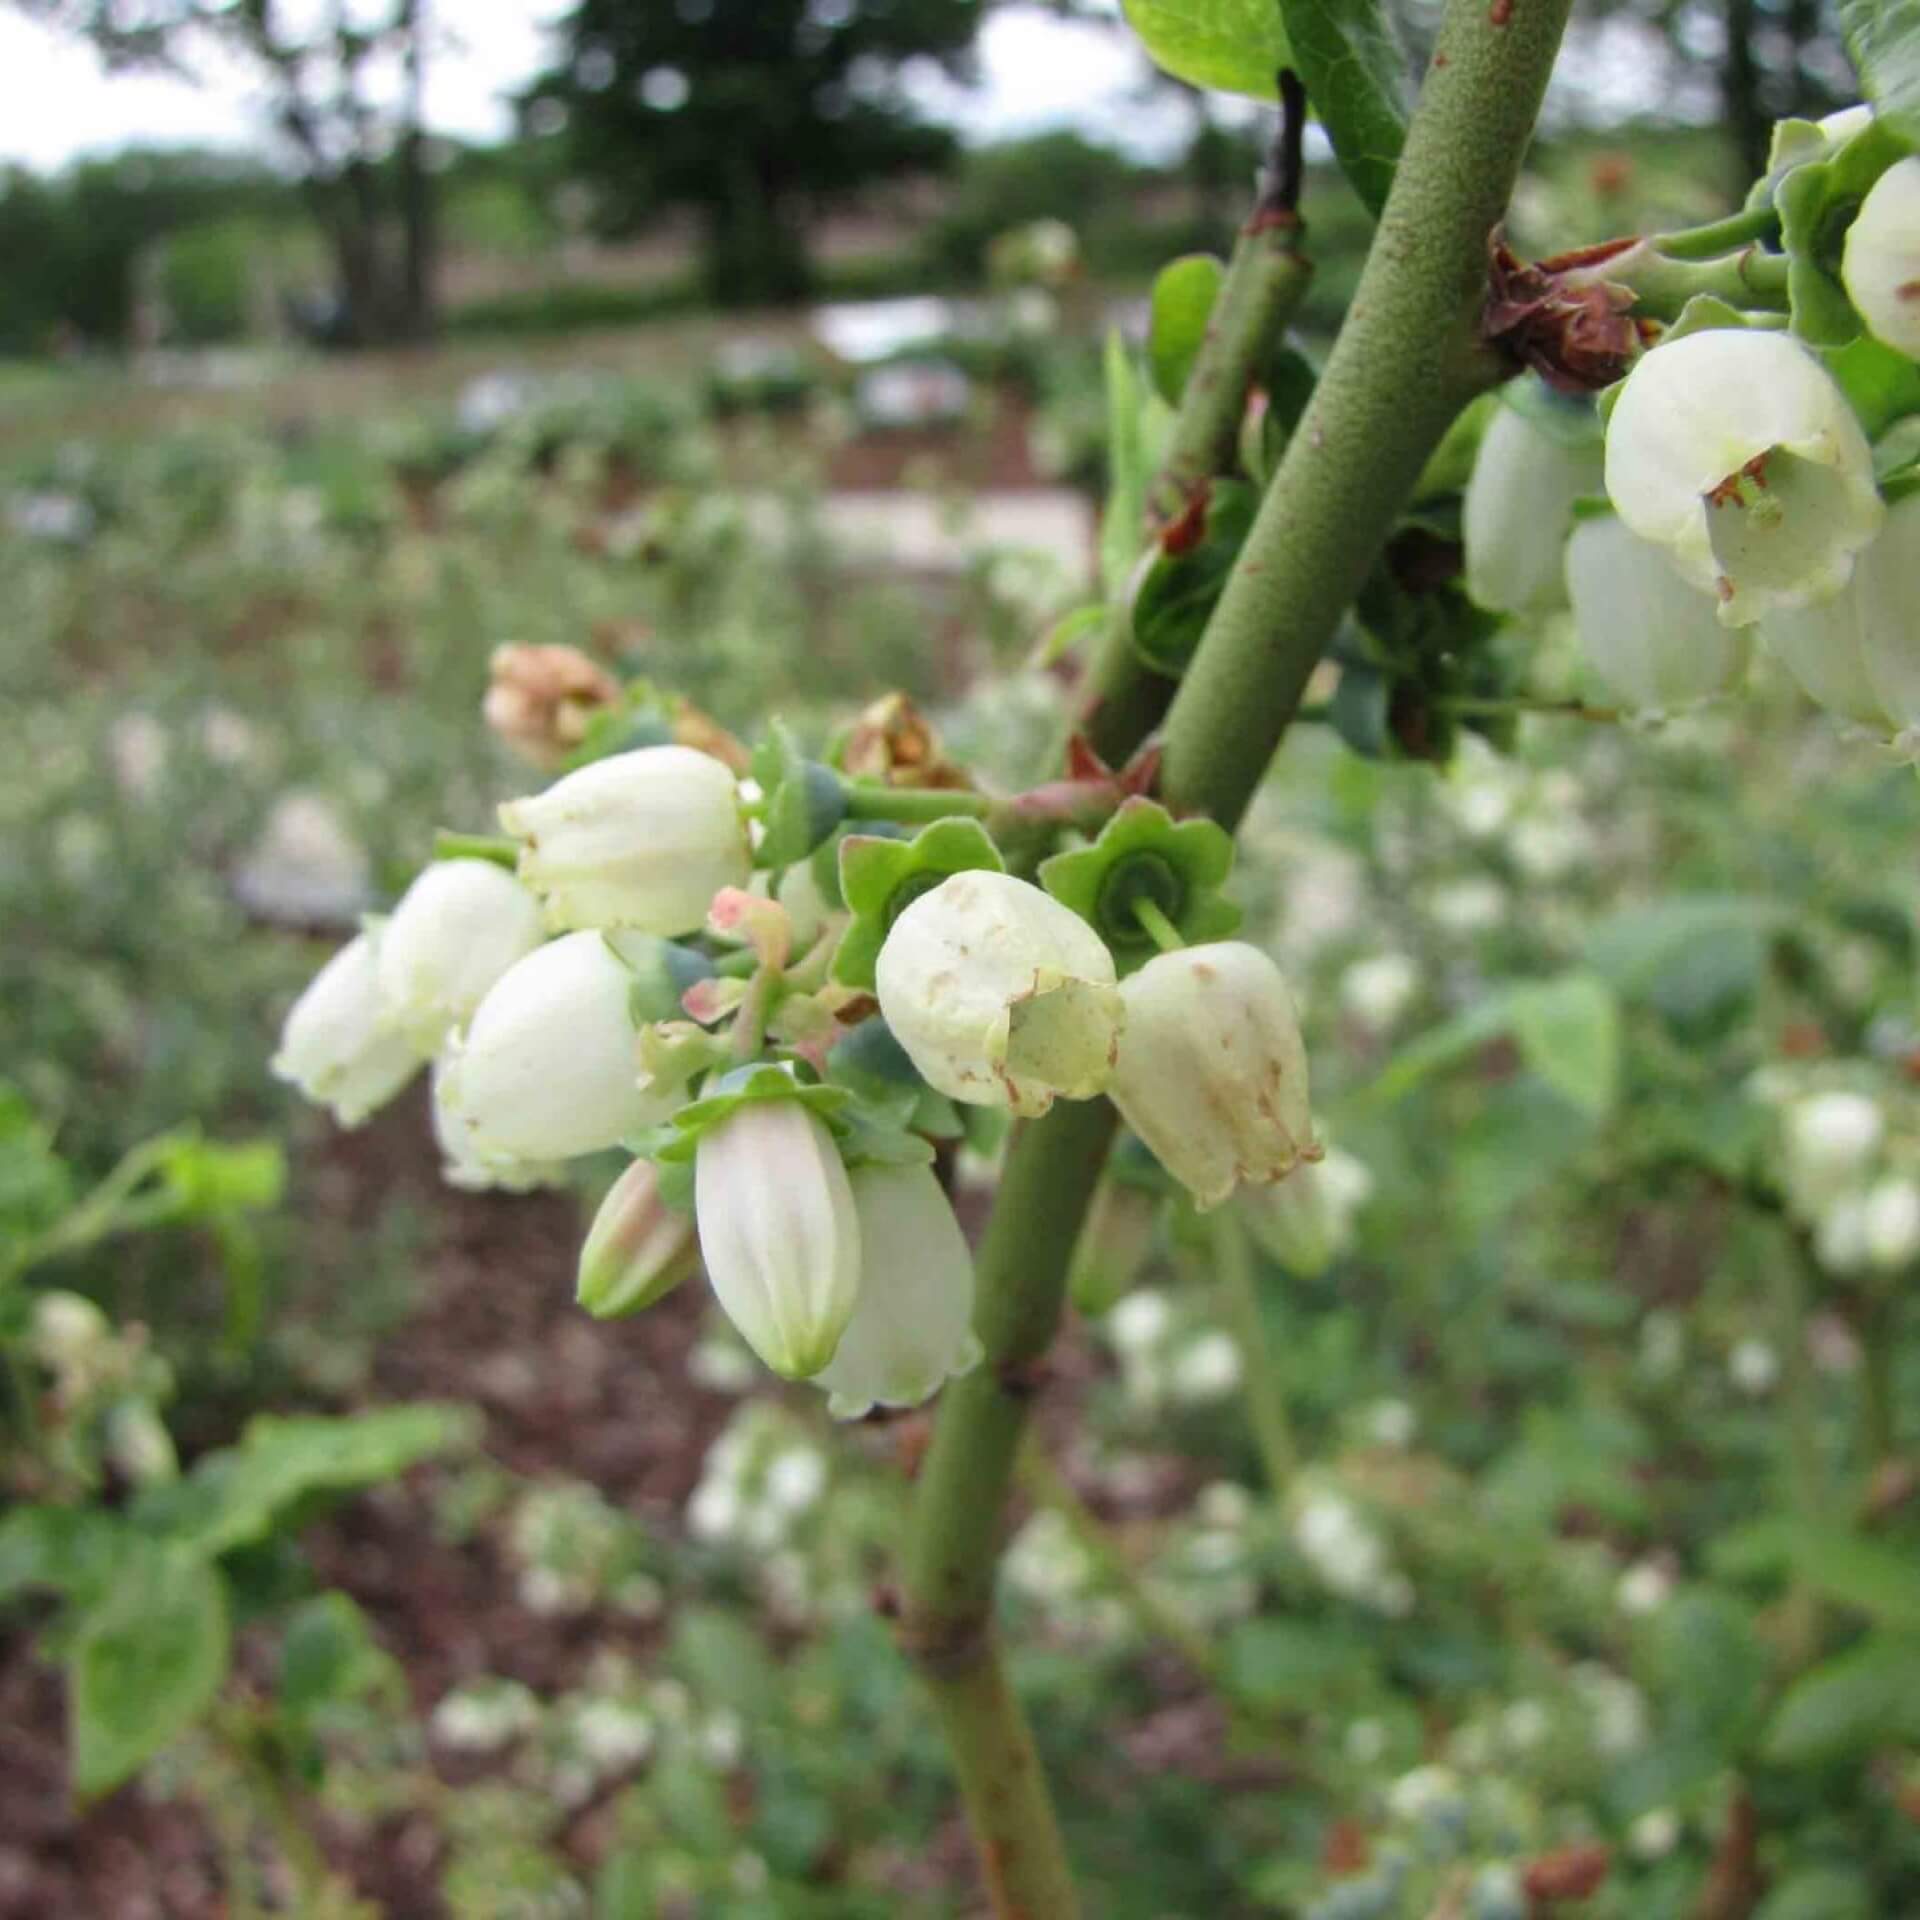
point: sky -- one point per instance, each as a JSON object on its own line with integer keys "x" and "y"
{"x": 57, "y": 102}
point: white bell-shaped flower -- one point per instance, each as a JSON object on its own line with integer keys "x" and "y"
{"x": 549, "y": 1067}
{"x": 1001, "y": 996}
{"x": 779, "y": 1232}
{"x": 457, "y": 929}
{"x": 1735, "y": 451}
{"x": 463, "y": 1164}
{"x": 913, "y": 1326}
{"x": 1832, "y": 1140}
{"x": 1857, "y": 653}
{"x": 1881, "y": 264}
{"x": 1306, "y": 1221}
{"x": 1212, "y": 1073}
{"x": 1517, "y": 510}
{"x": 638, "y": 1248}
{"x": 1651, "y": 636}
{"x": 1891, "y": 1223}
{"x": 642, "y": 839}
{"x": 338, "y": 1046}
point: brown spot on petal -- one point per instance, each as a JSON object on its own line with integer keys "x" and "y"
{"x": 1907, "y": 290}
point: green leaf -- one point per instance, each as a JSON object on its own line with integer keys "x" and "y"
{"x": 328, "y": 1655}
{"x": 1355, "y": 71}
{"x": 1884, "y": 38}
{"x": 239, "y": 1494}
{"x": 35, "y": 1187}
{"x": 206, "y": 1180}
{"x": 1847, "y": 1706}
{"x": 1687, "y": 956}
{"x": 1881, "y": 384}
{"x": 71, "y": 1551}
{"x": 1184, "y": 293}
{"x": 1230, "y": 46}
{"x": 148, "y": 1662}
{"x": 1878, "y": 1580}
{"x": 1176, "y": 592}
{"x": 1710, "y": 1671}
{"x": 1569, "y": 1034}
{"x": 1821, "y": 1893}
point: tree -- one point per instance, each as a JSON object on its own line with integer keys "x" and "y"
{"x": 363, "y": 167}
{"x": 752, "y": 112}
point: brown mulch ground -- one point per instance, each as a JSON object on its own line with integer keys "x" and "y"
{"x": 495, "y": 1326}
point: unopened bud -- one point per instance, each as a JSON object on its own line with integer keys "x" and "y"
{"x": 1212, "y": 1073}
{"x": 642, "y": 839}
{"x": 1001, "y": 996}
{"x": 637, "y": 1250}
{"x": 1517, "y": 512}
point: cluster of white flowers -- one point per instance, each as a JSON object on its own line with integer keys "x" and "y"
{"x": 564, "y": 1014}
{"x": 1851, "y": 1178}
{"x": 1744, "y": 502}
{"x": 760, "y": 1480}
{"x": 1347, "y": 1553}
{"x": 1170, "y": 1357}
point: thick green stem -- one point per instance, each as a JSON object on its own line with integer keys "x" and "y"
{"x": 1266, "y": 280}
{"x": 1408, "y": 358}
{"x": 1266, "y": 1403}
{"x": 1008, "y": 1805}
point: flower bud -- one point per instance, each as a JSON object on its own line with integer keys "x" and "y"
{"x": 1517, "y": 511}
{"x": 540, "y": 699}
{"x": 642, "y": 839}
{"x": 338, "y": 1046}
{"x": 1881, "y": 265}
{"x": 912, "y": 1326}
{"x": 549, "y": 1068}
{"x": 637, "y": 1250}
{"x": 1212, "y": 1073}
{"x": 1735, "y": 451}
{"x": 1306, "y": 1221}
{"x": 1891, "y": 1223}
{"x": 1832, "y": 1137}
{"x": 1001, "y": 996}
{"x": 1649, "y": 635}
{"x": 1856, "y": 653}
{"x": 779, "y": 1232}
{"x": 457, "y": 929}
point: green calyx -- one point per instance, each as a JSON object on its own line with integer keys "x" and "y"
{"x": 804, "y": 801}
{"x": 880, "y": 879}
{"x": 1148, "y": 875}
{"x": 663, "y": 970}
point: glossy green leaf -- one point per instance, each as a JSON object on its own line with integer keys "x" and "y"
{"x": 147, "y": 1663}
{"x": 1871, "y": 1576}
{"x": 1849, "y": 1705}
{"x": 1356, "y": 76}
{"x": 1229, "y": 46}
{"x": 1884, "y": 38}
{"x": 1184, "y": 293}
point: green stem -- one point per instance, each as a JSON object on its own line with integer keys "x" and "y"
{"x": 1266, "y": 1403}
{"x": 1165, "y": 935}
{"x": 1805, "y": 1481}
{"x": 911, "y": 806}
{"x": 748, "y": 1033}
{"x": 1663, "y": 285}
{"x": 1408, "y": 358}
{"x": 1022, "y": 1857}
{"x": 497, "y": 847}
{"x": 1265, "y": 282}
{"x": 1049, "y": 1487}
{"x": 1719, "y": 236}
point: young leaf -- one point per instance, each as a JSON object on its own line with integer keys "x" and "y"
{"x": 1884, "y": 38}
{"x": 147, "y": 1663}
{"x": 1231, "y": 46}
{"x": 1128, "y": 470}
{"x": 1569, "y": 1034}
{"x": 1183, "y": 299}
{"x": 1355, "y": 72}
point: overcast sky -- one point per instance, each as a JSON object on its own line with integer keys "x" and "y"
{"x": 57, "y": 101}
